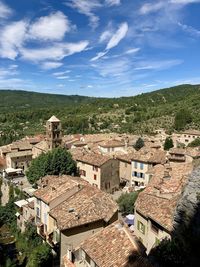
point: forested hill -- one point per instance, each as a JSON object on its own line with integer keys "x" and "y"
{"x": 25, "y": 113}
{"x": 23, "y": 99}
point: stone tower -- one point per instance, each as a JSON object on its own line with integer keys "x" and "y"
{"x": 53, "y": 133}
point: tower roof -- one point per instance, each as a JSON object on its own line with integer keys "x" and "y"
{"x": 54, "y": 119}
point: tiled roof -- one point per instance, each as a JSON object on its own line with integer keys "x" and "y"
{"x": 89, "y": 204}
{"x": 53, "y": 186}
{"x": 112, "y": 247}
{"x": 21, "y": 145}
{"x": 42, "y": 145}
{"x": 178, "y": 151}
{"x": 126, "y": 157}
{"x": 93, "y": 159}
{"x": 159, "y": 199}
{"x": 19, "y": 154}
{"x": 54, "y": 119}
{"x": 150, "y": 156}
{"x": 192, "y": 132}
{"x": 112, "y": 143}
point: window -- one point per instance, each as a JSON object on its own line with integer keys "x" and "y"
{"x": 155, "y": 227}
{"x": 125, "y": 165}
{"x": 38, "y": 212}
{"x": 83, "y": 173}
{"x": 38, "y": 201}
{"x": 95, "y": 168}
{"x": 141, "y": 166}
{"x": 141, "y": 175}
{"x": 141, "y": 227}
{"x": 135, "y": 164}
{"x": 157, "y": 241}
{"x": 95, "y": 176}
{"x": 134, "y": 174}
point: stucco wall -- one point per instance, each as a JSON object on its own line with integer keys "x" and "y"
{"x": 125, "y": 170}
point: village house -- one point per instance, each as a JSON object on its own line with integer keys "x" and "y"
{"x": 114, "y": 245}
{"x": 155, "y": 206}
{"x": 80, "y": 216}
{"x": 187, "y": 154}
{"x": 68, "y": 210}
{"x": 125, "y": 168}
{"x": 19, "y": 160}
{"x": 25, "y": 213}
{"x": 185, "y": 137}
{"x": 99, "y": 170}
{"x": 109, "y": 146}
{"x": 142, "y": 161}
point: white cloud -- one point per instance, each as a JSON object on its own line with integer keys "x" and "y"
{"x": 114, "y": 40}
{"x": 54, "y": 52}
{"x": 62, "y": 77}
{"x": 60, "y": 73}
{"x": 99, "y": 55}
{"x": 87, "y": 8}
{"x": 189, "y": 29}
{"x": 132, "y": 51}
{"x": 52, "y": 27}
{"x": 184, "y": 2}
{"x": 113, "y": 2}
{"x": 105, "y": 36}
{"x": 51, "y": 65}
{"x": 12, "y": 38}
{"x": 5, "y": 11}
{"x": 157, "y": 65}
{"x": 151, "y": 7}
{"x": 118, "y": 36}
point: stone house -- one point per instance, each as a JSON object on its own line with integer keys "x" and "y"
{"x": 155, "y": 206}
{"x": 110, "y": 146}
{"x": 125, "y": 168}
{"x": 68, "y": 210}
{"x": 19, "y": 160}
{"x": 99, "y": 170}
{"x": 112, "y": 246}
{"x": 142, "y": 161}
{"x": 185, "y": 137}
{"x": 25, "y": 213}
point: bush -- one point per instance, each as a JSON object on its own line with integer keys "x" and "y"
{"x": 126, "y": 202}
{"x": 195, "y": 143}
{"x": 56, "y": 162}
{"x": 168, "y": 143}
{"x": 139, "y": 144}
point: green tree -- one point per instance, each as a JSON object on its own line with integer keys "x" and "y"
{"x": 139, "y": 144}
{"x": 126, "y": 202}
{"x": 182, "y": 118}
{"x": 40, "y": 256}
{"x": 168, "y": 143}
{"x": 194, "y": 143}
{"x": 56, "y": 162}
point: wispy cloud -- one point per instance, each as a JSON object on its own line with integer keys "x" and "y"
{"x": 113, "y": 2}
{"x": 55, "y": 52}
{"x": 51, "y": 65}
{"x": 157, "y": 65}
{"x": 184, "y": 2}
{"x": 62, "y": 77}
{"x": 87, "y": 8}
{"x": 132, "y": 51}
{"x": 189, "y": 29}
{"x": 114, "y": 40}
{"x": 151, "y": 7}
{"x": 5, "y": 11}
{"x": 60, "y": 73}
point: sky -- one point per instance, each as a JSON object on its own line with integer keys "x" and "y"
{"x": 106, "y": 48}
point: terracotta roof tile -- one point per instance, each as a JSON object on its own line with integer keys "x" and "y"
{"x": 159, "y": 199}
{"x": 112, "y": 246}
{"x": 93, "y": 159}
{"x": 150, "y": 156}
{"x": 88, "y": 205}
{"x": 53, "y": 186}
{"x": 112, "y": 143}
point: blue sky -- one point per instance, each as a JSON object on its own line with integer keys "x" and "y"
{"x": 99, "y": 47}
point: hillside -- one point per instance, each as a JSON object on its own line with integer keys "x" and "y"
{"x": 24, "y": 113}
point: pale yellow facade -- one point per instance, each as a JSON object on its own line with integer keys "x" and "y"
{"x": 139, "y": 174}
{"x": 105, "y": 177}
{"x": 149, "y": 232}
{"x": 125, "y": 171}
